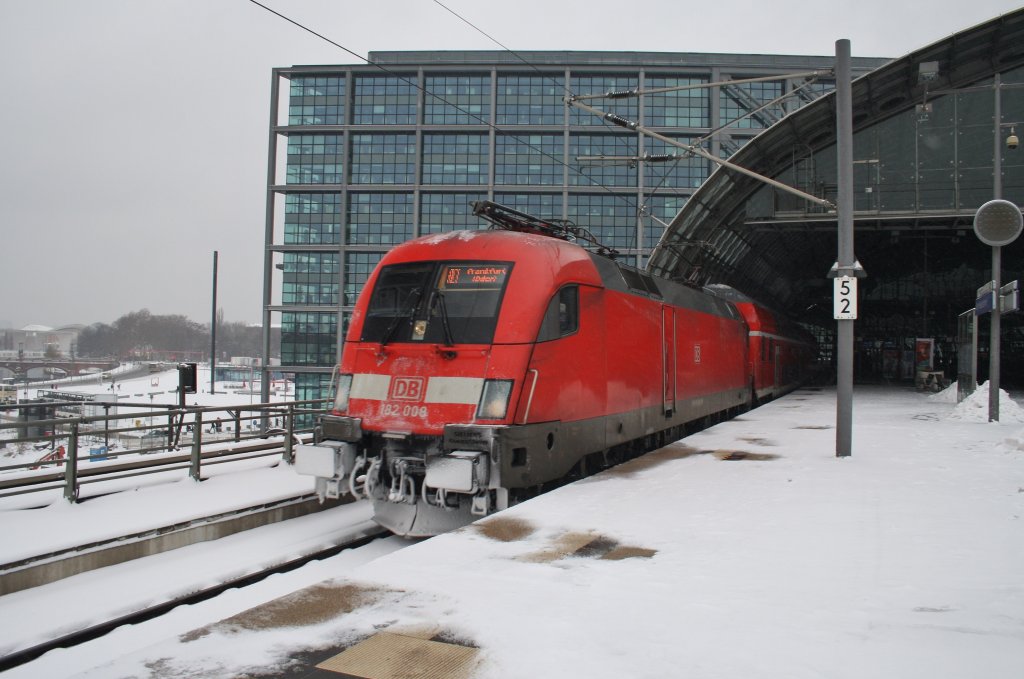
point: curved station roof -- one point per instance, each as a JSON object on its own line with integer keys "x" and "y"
{"x": 923, "y": 163}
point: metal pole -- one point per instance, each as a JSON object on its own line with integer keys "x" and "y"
{"x": 846, "y": 260}
{"x": 268, "y": 236}
{"x": 213, "y": 327}
{"x": 195, "y": 459}
{"x": 289, "y": 456}
{"x": 974, "y": 351}
{"x": 994, "y": 344}
{"x": 997, "y": 190}
{"x": 71, "y": 466}
{"x": 997, "y": 155}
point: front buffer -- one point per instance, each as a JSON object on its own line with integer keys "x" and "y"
{"x": 422, "y": 486}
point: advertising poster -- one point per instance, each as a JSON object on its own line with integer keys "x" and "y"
{"x": 924, "y": 353}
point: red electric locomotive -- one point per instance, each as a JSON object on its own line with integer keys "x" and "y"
{"x": 480, "y": 366}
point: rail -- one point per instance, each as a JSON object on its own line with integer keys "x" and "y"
{"x": 72, "y": 448}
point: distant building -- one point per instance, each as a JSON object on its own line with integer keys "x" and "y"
{"x": 363, "y": 157}
{"x": 39, "y": 341}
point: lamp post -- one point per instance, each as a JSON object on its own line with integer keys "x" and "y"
{"x": 997, "y": 223}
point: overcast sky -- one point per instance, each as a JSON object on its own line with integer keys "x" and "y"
{"x": 134, "y": 132}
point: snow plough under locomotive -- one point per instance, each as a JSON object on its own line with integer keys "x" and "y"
{"x": 480, "y": 367}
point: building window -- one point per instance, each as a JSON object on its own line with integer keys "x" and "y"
{"x": 316, "y": 100}
{"x": 535, "y": 159}
{"x": 385, "y": 100}
{"x": 310, "y": 278}
{"x": 612, "y": 219}
{"x": 530, "y": 100}
{"x": 596, "y": 172}
{"x": 683, "y": 172}
{"x": 358, "y": 267}
{"x": 449, "y": 212}
{"x": 309, "y": 338}
{"x": 665, "y": 208}
{"x": 627, "y": 108}
{"x": 540, "y": 205}
{"x": 457, "y": 100}
{"x": 314, "y": 159}
{"x": 379, "y": 218}
{"x": 383, "y": 158}
{"x": 312, "y": 218}
{"x": 818, "y": 88}
{"x": 680, "y": 108}
{"x": 738, "y": 100}
{"x": 455, "y": 158}
{"x": 312, "y": 387}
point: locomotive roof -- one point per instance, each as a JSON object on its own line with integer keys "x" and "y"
{"x": 568, "y": 260}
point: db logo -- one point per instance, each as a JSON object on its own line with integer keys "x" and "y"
{"x": 407, "y": 388}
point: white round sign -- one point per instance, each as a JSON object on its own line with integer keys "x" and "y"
{"x": 998, "y": 222}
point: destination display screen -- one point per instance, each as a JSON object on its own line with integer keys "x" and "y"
{"x": 478, "y": 276}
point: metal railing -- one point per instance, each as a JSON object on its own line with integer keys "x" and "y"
{"x": 139, "y": 439}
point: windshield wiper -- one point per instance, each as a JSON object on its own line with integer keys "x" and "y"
{"x": 437, "y": 299}
{"x": 410, "y": 307}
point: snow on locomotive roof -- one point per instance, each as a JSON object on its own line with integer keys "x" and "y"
{"x": 437, "y": 238}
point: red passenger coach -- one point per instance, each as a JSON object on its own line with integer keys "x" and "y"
{"x": 481, "y": 366}
{"x": 781, "y": 352}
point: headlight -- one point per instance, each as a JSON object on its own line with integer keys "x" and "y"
{"x": 344, "y": 388}
{"x": 494, "y": 400}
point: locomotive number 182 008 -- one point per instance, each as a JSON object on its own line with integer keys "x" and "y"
{"x": 402, "y": 410}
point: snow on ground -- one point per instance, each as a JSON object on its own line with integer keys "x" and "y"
{"x": 975, "y": 408}
{"x": 93, "y": 595}
{"x": 132, "y": 382}
{"x": 752, "y": 551}
{"x": 140, "y": 506}
{"x": 43, "y": 613}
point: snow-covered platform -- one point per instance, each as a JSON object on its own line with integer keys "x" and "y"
{"x": 747, "y": 550}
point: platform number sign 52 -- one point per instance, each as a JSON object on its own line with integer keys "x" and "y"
{"x": 845, "y": 305}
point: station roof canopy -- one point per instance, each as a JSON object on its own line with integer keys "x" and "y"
{"x": 782, "y": 253}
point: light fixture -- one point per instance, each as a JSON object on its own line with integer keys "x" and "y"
{"x": 927, "y": 71}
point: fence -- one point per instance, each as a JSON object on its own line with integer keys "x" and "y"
{"x": 68, "y": 439}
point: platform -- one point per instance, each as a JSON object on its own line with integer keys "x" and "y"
{"x": 748, "y": 550}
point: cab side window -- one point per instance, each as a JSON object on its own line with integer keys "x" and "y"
{"x": 562, "y": 316}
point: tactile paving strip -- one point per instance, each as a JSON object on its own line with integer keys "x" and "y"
{"x": 396, "y": 656}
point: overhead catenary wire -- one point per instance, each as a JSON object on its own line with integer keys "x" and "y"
{"x": 442, "y": 99}
{"x": 696, "y": 86}
{"x": 632, "y": 125}
{"x": 568, "y": 93}
{"x": 479, "y": 30}
{"x": 812, "y": 77}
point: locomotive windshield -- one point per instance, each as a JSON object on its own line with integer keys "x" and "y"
{"x": 442, "y": 302}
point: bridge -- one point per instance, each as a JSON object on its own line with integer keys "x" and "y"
{"x": 19, "y": 368}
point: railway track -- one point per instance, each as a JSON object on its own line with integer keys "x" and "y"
{"x": 358, "y": 538}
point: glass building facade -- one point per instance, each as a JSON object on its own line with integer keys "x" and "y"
{"x": 365, "y": 157}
